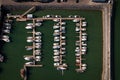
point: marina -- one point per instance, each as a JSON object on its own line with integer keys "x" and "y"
{"x": 63, "y": 58}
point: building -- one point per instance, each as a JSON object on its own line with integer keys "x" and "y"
{"x": 101, "y": 1}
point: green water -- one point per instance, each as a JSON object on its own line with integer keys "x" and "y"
{"x": 16, "y": 49}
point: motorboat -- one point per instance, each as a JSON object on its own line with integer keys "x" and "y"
{"x": 77, "y": 29}
{"x": 56, "y": 27}
{"x": 28, "y": 58}
{"x": 56, "y": 53}
{"x": 29, "y": 48}
{"x": 38, "y": 33}
{"x": 29, "y": 27}
{"x": 6, "y": 40}
{"x": 56, "y": 64}
{"x": 76, "y": 20}
{"x": 63, "y": 37}
{"x": 37, "y": 52}
{"x": 83, "y": 29}
{"x": 56, "y": 60}
{"x": 77, "y": 54}
{"x": 84, "y": 34}
{"x": 84, "y": 65}
{"x": 56, "y": 31}
{"x": 56, "y": 47}
{"x": 29, "y": 40}
{"x": 38, "y": 37}
{"x": 77, "y": 61}
{"x": 56, "y": 34}
{"x": 84, "y": 24}
{"x": 37, "y": 40}
{"x": 61, "y": 68}
{"x": 38, "y": 58}
{"x": 38, "y": 24}
{"x": 29, "y": 24}
{"x": 6, "y": 31}
{"x": 56, "y": 20}
{"x": 63, "y": 23}
{"x": 29, "y": 63}
{"x": 56, "y": 57}
{"x": 84, "y": 68}
{"x": 63, "y": 43}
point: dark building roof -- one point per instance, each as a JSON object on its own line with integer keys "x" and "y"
{"x": 99, "y": 0}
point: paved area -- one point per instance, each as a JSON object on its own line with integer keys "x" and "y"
{"x": 10, "y": 2}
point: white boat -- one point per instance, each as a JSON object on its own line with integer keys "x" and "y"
{"x": 83, "y": 29}
{"x": 56, "y": 64}
{"x": 38, "y": 33}
{"x": 61, "y": 68}
{"x": 56, "y": 34}
{"x": 29, "y": 63}
{"x": 56, "y": 47}
{"x": 6, "y": 31}
{"x": 56, "y": 57}
{"x": 84, "y": 24}
{"x": 6, "y": 40}
{"x": 28, "y": 27}
{"x": 38, "y": 24}
{"x": 56, "y": 38}
{"x": 76, "y": 20}
{"x": 29, "y": 40}
{"x": 63, "y": 52}
{"x": 63, "y": 23}
{"x": 28, "y": 58}
{"x": 84, "y": 65}
{"x": 63, "y": 37}
{"x": 38, "y": 37}
{"x": 84, "y": 68}
{"x": 56, "y": 20}
{"x": 5, "y": 36}
{"x": 37, "y": 46}
{"x": 56, "y": 27}
{"x": 37, "y": 40}
{"x": 83, "y": 39}
{"x": 48, "y": 16}
{"x": 37, "y": 52}
{"x": 56, "y": 60}
{"x": 38, "y": 58}
{"x": 63, "y": 49}
{"x": 56, "y": 31}
{"x": 84, "y": 34}
{"x": 56, "y": 53}
{"x": 55, "y": 50}
{"x": 77, "y": 54}
{"x": 77, "y": 29}
{"x": 63, "y": 43}
{"x": 29, "y": 24}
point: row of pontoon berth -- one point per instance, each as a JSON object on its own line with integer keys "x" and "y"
{"x": 81, "y": 44}
{"x": 59, "y": 44}
{"x": 37, "y": 24}
{"x": 36, "y": 47}
{"x": 6, "y": 30}
{"x": 52, "y": 16}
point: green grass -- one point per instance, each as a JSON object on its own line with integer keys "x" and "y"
{"x": 48, "y": 72}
